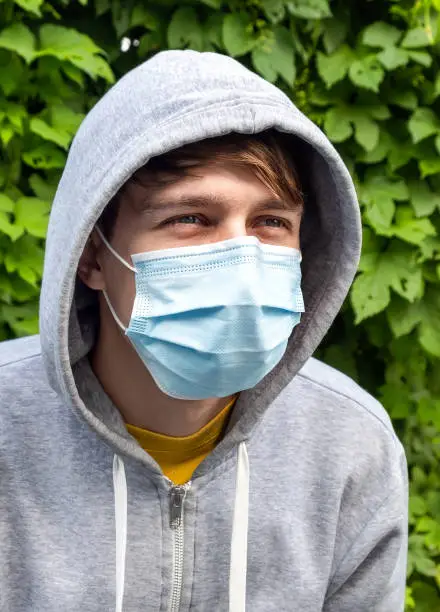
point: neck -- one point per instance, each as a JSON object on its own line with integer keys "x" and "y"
{"x": 131, "y": 388}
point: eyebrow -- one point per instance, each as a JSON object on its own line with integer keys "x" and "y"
{"x": 163, "y": 204}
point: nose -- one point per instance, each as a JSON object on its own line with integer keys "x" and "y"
{"x": 234, "y": 227}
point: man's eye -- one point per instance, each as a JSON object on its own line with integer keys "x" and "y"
{"x": 272, "y": 222}
{"x": 188, "y": 219}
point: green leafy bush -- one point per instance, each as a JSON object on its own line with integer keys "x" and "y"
{"x": 367, "y": 73}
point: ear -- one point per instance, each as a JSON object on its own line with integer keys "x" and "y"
{"x": 89, "y": 267}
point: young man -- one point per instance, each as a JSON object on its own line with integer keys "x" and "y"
{"x": 168, "y": 443}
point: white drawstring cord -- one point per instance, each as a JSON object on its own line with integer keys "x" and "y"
{"x": 120, "y": 489}
{"x": 238, "y": 564}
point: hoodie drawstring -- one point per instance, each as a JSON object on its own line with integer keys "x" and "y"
{"x": 238, "y": 561}
{"x": 120, "y": 490}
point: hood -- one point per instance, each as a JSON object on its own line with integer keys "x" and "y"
{"x": 175, "y": 98}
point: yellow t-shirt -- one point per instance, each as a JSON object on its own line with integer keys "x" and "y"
{"x": 179, "y": 456}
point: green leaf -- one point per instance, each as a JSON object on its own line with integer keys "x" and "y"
{"x": 215, "y": 4}
{"x": 336, "y": 125}
{"x": 65, "y": 42}
{"x": 380, "y": 151}
{"x": 274, "y": 10}
{"x": 417, "y": 506}
{"x": 16, "y": 114}
{"x": 380, "y": 34}
{"x": 425, "y": 566}
{"x": 394, "y": 269}
{"x": 13, "y": 231}
{"x": 263, "y": 64}
{"x": 379, "y": 195}
{"x": 18, "y": 38}
{"x": 369, "y": 296}
{"x": 429, "y": 167}
{"x": 366, "y": 132}
{"x": 429, "y": 331}
{"x": 421, "y": 57}
{"x": 278, "y": 59}
{"x": 68, "y": 44}
{"x": 102, "y": 6}
{"x": 63, "y": 117}
{"x": 393, "y": 58}
{"x": 423, "y": 200}
{"x": 380, "y": 214}
{"x": 73, "y": 73}
{"x": 335, "y": 32}
{"x": 403, "y": 316}
{"x": 151, "y": 41}
{"x": 431, "y": 527}
{"x": 185, "y": 30}
{"x": 12, "y": 73}
{"x": 6, "y": 134}
{"x": 405, "y": 99}
{"x": 213, "y": 30}
{"x": 238, "y": 37}
{"x": 6, "y": 204}
{"x": 333, "y": 68}
{"x": 42, "y": 189}
{"x": 141, "y": 16}
{"x": 33, "y": 215}
{"x": 395, "y": 398}
{"x": 41, "y": 128}
{"x": 377, "y": 111}
{"x": 26, "y": 258}
{"x": 309, "y": 9}
{"x": 410, "y": 229}
{"x": 121, "y": 15}
{"x": 415, "y": 38}
{"x": 423, "y": 123}
{"x": 283, "y": 55}
{"x": 45, "y": 156}
{"x": 367, "y": 73}
{"x": 33, "y": 6}
{"x": 437, "y": 86}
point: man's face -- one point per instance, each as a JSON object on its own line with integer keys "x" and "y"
{"x": 218, "y": 204}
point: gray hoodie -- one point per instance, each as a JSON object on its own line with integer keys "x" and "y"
{"x": 302, "y": 506}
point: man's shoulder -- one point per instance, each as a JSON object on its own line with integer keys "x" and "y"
{"x": 23, "y": 380}
{"x": 16, "y": 352}
{"x": 328, "y": 384}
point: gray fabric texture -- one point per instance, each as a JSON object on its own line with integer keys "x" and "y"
{"x": 328, "y": 479}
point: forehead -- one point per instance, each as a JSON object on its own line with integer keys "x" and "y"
{"x": 210, "y": 185}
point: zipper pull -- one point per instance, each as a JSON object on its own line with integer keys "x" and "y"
{"x": 177, "y": 497}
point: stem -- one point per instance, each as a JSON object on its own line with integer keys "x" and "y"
{"x": 427, "y": 19}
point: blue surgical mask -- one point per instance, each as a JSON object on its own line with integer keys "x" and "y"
{"x": 214, "y": 319}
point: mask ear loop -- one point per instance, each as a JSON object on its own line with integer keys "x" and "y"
{"x": 126, "y": 264}
{"x": 112, "y": 250}
{"x": 112, "y": 310}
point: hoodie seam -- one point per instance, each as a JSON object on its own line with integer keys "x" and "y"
{"x": 224, "y": 466}
{"x": 19, "y": 359}
{"x": 230, "y": 104}
{"x": 352, "y": 399}
{"x": 356, "y": 539}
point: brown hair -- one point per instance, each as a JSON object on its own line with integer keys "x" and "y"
{"x": 267, "y": 154}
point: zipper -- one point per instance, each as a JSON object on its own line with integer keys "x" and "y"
{"x": 177, "y": 499}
